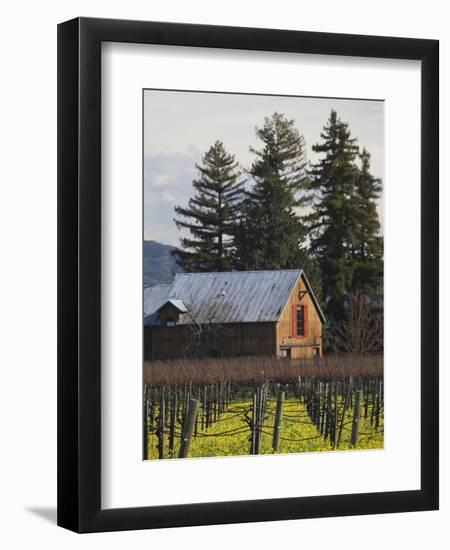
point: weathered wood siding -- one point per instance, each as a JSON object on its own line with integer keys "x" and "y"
{"x": 168, "y": 312}
{"x": 227, "y": 340}
{"x": 286, "y": 339}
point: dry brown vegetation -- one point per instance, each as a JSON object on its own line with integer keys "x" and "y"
{"x": 259, "y": 369}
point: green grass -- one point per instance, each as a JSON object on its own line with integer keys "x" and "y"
{"x": 296, "y": 426}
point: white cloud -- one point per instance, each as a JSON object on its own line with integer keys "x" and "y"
{"x": 160, "y": 180}
{"x": 167, "y": 197}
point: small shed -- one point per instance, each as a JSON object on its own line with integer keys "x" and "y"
{"x": 235, "y": 313}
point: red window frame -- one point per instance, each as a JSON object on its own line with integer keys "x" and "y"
{"x": 294, "y": 321}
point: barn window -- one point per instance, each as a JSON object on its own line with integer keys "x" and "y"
{"x": 301, "y": 321}
{"x": 170, "y": 322}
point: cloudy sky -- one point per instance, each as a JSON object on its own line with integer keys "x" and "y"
{"x": 179, "y": 127}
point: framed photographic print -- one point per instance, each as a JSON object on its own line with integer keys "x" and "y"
{"x": 248, "y": 275}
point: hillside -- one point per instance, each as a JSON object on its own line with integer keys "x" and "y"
{"x": 159, "y": 264}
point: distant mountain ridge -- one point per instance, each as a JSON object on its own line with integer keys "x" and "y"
{"x": 160, "y": 266}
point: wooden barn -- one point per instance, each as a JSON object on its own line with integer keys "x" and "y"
{"x": 236, "y": 313}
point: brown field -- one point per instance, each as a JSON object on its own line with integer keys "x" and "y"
{"x": 261, "y": 369}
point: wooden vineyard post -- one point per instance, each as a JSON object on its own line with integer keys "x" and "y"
{"x": 323, "y": 396}
{"x": 186, "y": 401}
{"x": 145, "y": 423}
{"x": 204, "y": 409}
{"x": 208, "y": 408}
{"x": 366, "y": 400}
{"x": 374, "y": 398}
{"x": 327, "y": 432}
{"x": 335, "y": 413}
{"x": 253, "y": 426}
{"x": 356, "y": 417}
{"x": 341, "y": 426}
{"x": 278, "y": 420}
{"x": 162, "y": 423}
{"x": 198, "y": 412}
{"x": 219, "y": 400}
{"x": 257, "y": 419}
{"x": 173, "y": 420}
{"x": 351, "y": 391}
{"x": 263, "y": 406}
{"x": 320, "y": 407}
{"x": 152, "y": 408}
{"x": 257, "y": 416}
{"x": 188, "y": 427}
{"x": 377, "y": 416}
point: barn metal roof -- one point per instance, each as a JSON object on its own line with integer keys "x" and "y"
{"x": 154, "y": 298}
{"x": 226, "y": 297}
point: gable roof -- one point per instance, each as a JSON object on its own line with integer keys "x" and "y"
{"x": 177, "y": 304}
{"x": 226, "y": 297}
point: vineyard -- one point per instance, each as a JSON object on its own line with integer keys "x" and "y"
{"x": 225, "y": 407}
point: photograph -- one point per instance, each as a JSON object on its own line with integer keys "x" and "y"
{"x": 262, "y": 274}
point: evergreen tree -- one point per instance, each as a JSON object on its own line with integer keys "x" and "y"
{"x": 344, "y": 226}
{"x": 333, "y": 179}
{"x": 368, "y": 249}
{"x": 270, "y": 232}
{"x": 211, "y": 214}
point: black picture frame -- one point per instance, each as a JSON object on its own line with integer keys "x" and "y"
{"x": 79, "y": 274}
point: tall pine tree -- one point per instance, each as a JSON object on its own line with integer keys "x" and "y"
{"x": 344, "y": 224}
{"x": 368, "y": 248}
{"x": 270, "y": 233}
{"x": 211, "y": 214}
